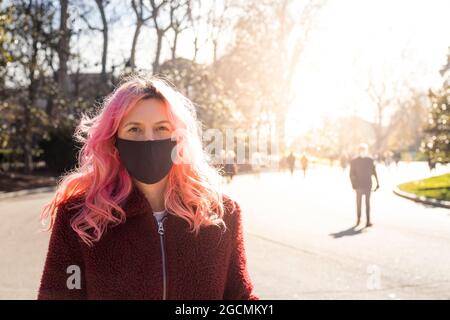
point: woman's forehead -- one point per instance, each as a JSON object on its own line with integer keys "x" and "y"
{"x": 146, "y": 111}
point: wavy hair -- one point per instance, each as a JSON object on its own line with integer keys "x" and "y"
{"x": 193, "y": 186}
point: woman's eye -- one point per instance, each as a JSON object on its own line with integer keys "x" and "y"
{"x": 162, "y": 128}
{"x": 133, "y": 129}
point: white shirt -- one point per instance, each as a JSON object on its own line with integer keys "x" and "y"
{"x": 159, "y": 215}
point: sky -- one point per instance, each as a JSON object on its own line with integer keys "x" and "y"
{"x": 393, "y": 41}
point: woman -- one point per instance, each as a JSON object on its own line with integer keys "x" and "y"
{"x": 142, "y": 215}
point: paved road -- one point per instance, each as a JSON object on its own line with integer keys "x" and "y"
{"x": 22, "y": 246}
{"x": 301, "y": 244}
{"x": 299, "y": 240}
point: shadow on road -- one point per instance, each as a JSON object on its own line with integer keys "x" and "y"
{"x": 348, "y": 232}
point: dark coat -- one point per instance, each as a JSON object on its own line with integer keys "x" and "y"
{"x": 127, "y": 261}
{"x": 361, "y": 171}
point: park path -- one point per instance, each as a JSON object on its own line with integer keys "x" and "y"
{"x": 299, "y": 240}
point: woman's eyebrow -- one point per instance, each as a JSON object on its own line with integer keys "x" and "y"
{"x": 139, "y": 123}
{"x": 132, "y": 123}
{"x": 162, "y": 121}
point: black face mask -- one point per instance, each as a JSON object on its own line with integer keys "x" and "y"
{"x": 147, "y": 161}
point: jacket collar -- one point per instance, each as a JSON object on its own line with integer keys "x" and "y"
{"x": 136, "y": 203}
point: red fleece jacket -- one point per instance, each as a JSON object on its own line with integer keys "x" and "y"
{"x": 127, "y": 262}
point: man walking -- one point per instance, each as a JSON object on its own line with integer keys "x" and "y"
{"x": 304, "y": 162}
{"x": 362, "y": 168}
{"x": 291, "y": 162}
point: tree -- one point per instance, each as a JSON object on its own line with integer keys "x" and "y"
{"x": 437, "y": 141}
{"x": 58, "y": 89}
{"x": 32, "y": 37}
{"x": 38, "y": 93}
{"x": 101, "y": 6}
{"x": 139, "y": 9}
{"x": 179, "y": 21}
{"x": 408, "y": 122}
{"x": 6, "y": 15}
{"x": 195, "y": 20}
{"x": 63, "y": 47}
{"x": 160, "y": 11}
{"x": 101, "y": 9}
{"x": 197, "y": 81}
{"x": 268, "y": 44}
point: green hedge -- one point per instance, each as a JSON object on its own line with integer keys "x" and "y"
{"x": 437, "y": 187}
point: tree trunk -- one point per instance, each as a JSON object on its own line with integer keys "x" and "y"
{"x": 134, "y": 44}
{"x": 379, "y": 130}
{"x": 63, "y": 48}
{"x": 174, "y": 47}
{"x": 101, "y": 9}
{"x": 280, "y": 126}
{"x": 194, "y": 59}
{"x": 27, "y": 134}
{"x": 158, "y": 52}
{"x": 215, "y": 51}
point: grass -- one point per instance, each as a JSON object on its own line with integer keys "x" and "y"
{"x": 437, "y": 187}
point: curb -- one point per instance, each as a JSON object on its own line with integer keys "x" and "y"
{"x": 421, "y": 199}
{"x": 13, "y": 194}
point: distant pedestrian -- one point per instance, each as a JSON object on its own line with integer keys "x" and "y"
{"x": 397, "y": 158}
{"x": 362, "y": 168}
{"x": 230, "y": 167}
{"x": 291, "y": 162}
{"x": 304, "y": 164}
{"x": 431, "y": 164}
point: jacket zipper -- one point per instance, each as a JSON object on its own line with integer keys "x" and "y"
{"x": 161, "y": 232}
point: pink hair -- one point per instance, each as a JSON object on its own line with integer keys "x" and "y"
{"x": 192, "y": 191}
